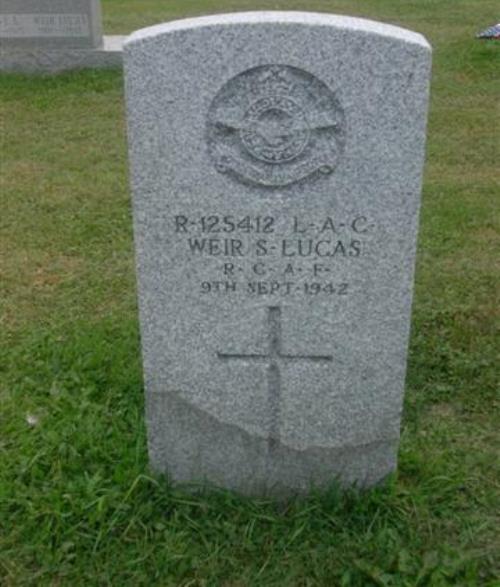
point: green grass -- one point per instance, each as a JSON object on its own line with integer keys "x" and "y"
{"x": 78, "y": 505}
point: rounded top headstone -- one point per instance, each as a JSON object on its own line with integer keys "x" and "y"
{"x": 274, "y": 17}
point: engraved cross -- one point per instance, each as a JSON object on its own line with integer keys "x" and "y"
{"x": 273, "y": 357}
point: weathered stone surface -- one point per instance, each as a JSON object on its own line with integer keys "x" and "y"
{"x": 48, "y": 36}
{"x": 276, "y": 172}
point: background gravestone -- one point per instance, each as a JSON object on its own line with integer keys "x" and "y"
{"x": 276, "y": 173}
{"x": 53, "y": 35}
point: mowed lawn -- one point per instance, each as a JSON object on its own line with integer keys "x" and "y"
{"x": 78, "y": 504}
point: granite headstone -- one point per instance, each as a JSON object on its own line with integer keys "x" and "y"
{"x": 276, "y": 165}
{"x": 53, "y": 35}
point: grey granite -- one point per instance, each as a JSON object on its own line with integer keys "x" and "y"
{"x": 276, "y": 166}
{"x": 48, "y": 36}
{"x": 60, "y": 24}
{"x": 48, "y": 61}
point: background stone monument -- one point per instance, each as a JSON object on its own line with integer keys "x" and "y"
{"x": 276, "y": 172}
{"x": 54, "y": 35}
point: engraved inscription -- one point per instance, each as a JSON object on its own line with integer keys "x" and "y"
{"x": 273, "y": 256}
{"x": 272, "y": 358}
{"x": 274, "y": 125}
{"x": 17, "y": 26}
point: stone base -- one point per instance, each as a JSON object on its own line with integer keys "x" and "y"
{"x": 54, "y": 61}
{"x": 195, "y": 448}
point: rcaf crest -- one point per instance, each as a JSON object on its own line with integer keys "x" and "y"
{"x": 274, "y": 125}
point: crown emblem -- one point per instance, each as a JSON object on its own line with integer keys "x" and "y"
{"x": 275, "y": 82}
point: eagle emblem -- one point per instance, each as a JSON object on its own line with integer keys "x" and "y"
{"x": 274, "y": 125}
